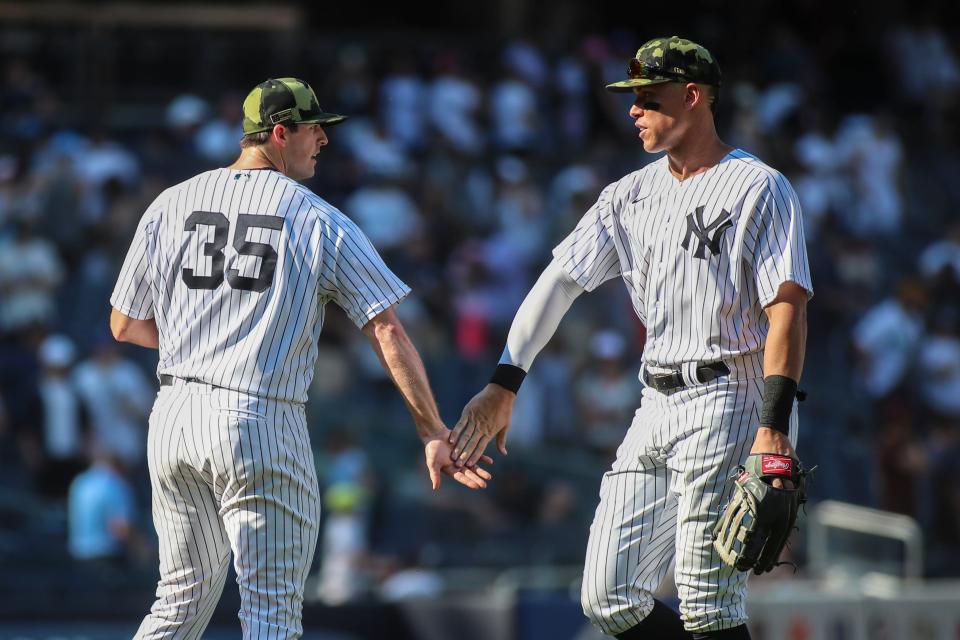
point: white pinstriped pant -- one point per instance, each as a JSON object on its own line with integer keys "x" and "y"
{"x": 230, "y": 471}
{"x": 660, "y": 501}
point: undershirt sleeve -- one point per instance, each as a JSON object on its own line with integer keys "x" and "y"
{"x": 540, "y": 315}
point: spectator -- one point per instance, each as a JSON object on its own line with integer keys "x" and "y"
{"x": 887, "y": 337}
{"x": 403, "y": 101}
{"x": 184, "y": 116}
{"x": 513, "y": 109}
{"x": 573, "y": 112}
{"x": 105, "y": 166}
{"x": 65, "y": 418}
{"x": 30, "y": 271}
{"x": 216, "y": 140}
{"x": 386, "y": 213}
{"x": 343, "y": 544}
{"x": 607, "y": 393}
{"x": 938, "y": 365}
{"x": 343, "y": 462}
{"x": 454, "y": 102}
{"x": 355, "y": 86}
{"x": 873, "y": 153}
{"x": 22, "y": 453}
{"x": 186, "y": 113}
{"x": 941, "y": 72}
{"x": 119, "y": 399}
{"x": 377, "y": 153}
{"x": 102, "y": 514}
{"x": 940, "y": 260}
{"x": 519, "y": 208}
{"x": 824, "y": 187}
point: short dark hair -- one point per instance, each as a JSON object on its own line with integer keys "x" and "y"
{"x": 261, "y": 137}
{"x": 714, "y": 98}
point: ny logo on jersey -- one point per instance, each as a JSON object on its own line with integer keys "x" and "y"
{"x": 696, "y": 227}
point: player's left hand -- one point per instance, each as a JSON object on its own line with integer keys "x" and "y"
{"x": 756, "y": 524}
{"x": 486, "y": 416}
{"x": 438, "y": 452}
{"x": 770, "y": 440}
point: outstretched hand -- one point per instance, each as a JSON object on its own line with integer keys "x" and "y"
{"x": 486, "y": 416}
{"x": 439, "y": 456}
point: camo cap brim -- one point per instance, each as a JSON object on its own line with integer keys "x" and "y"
{"x": 626, "y": 86}
{"x": 284, "y": 100}
{"x": 672, "y": 59}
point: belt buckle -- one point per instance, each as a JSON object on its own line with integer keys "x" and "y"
{"x": 663, "y": 382}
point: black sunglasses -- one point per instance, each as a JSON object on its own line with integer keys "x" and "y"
{"x": 637, "y": 70}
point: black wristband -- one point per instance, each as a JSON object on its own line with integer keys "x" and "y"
{"x": 508, "y": 376}
{"x": 778, "y": 395}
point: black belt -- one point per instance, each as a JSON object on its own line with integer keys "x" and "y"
{"x": 167, "y": 380}
{"x": 672, "y": 381}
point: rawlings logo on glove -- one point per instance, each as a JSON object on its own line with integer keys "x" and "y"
{"x": 780, "y": 465}
{"x": 757, "y": 522}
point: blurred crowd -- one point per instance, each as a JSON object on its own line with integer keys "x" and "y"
{"x": 465, "y": 167}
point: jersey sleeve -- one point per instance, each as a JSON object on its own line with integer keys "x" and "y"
{"x": 360, "y": 281}
{"x": 589, "y": 254}
{"x": 779, "y": 253}
{"x": 539, "y": 316}
{"x": 133, "y": 295}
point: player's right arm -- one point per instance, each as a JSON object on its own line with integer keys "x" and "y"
{"x": 402, "y": 363}
{"x": 488, "y": 413}
{"x": 585, "y": 259}
{"x": 363, "y": 286}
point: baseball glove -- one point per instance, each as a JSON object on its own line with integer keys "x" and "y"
{"x": 758, "y": 520}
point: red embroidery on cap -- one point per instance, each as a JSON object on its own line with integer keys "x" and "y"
{"x": 776, "y": 465}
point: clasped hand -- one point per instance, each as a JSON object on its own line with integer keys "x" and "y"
{"x": 486, "y": 416}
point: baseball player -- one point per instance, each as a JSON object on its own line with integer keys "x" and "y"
{"x": 228, "y": 276}
{"x": 709, "y": 243}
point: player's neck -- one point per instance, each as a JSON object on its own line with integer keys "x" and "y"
{"x": 698, "y": 152}
{"x": 254, "y": 158}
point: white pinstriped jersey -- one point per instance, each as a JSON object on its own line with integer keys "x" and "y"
{"x": 237, "y": 267}
{"x": 700, "y": 257}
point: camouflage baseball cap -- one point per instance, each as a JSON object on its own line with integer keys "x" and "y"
{"x": 672, "y": 59}
{"x": 283, "y": 100}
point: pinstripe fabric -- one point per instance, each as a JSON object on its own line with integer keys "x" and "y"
{"x": 236, "y": 267}
{"x": 259, "y": 342}
{"x": 661, "y": 499}
{"x": 700, "y": 259}
{"x": 694, "y": 309}
{"x": 235, "y": 472}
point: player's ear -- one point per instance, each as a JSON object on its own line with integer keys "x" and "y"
{"x": 692, "y": 95}
{"x": 280, "y": 134}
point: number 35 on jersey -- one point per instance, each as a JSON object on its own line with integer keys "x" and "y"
{"x": 214, "y": 249}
